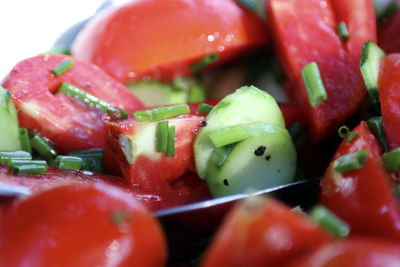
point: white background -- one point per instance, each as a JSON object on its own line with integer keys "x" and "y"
{"x": 29, "y": 27}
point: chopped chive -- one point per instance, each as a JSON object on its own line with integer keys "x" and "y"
{"x": 391, "y": 160}
{"x": 342, "y": 31}
{"x": 43, "y": 147}
{"x": 196, "y": 94}
{"x": 24, "y": 139}
{"x": 203, "y": 62}
{"x": 228, "y": 135}
{"x": 20, "y": 162}
{"x": 376, "y": 126}
{"x": 343, "y": 131}
{"x": 93, "y": 101}
{"x": 299, "y": 138}
{"x": 350, "y": 136}
{"x": 204, "y": 108}
{"x": 369, "y": 66}
{"x": 59, "y": 50}
{"x": 162, "y": 136}
{"x": 62, "y": 67}
{"x": 171, "y": 142}
{"x": 28, "y": 169}
{"x": 120, "y": 217}
{"x": 69, "y": 163}
{"x": 161, "y": 113}
{"x": 351, "y": 161}
{"x": 329, "y": 221}
{"x": 92, "y": 159}
{"x": 5, "y": 156}
{"x": 314, "y": 86}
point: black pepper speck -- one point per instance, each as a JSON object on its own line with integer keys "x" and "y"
{"x": 260, "y": 151}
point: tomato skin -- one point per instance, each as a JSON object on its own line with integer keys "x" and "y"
{"x": 388, "y": 84}
{"x": 70, "y": 125}
{"x": 364, "y": 197}
{"x": 73, "y": 226}
{"x": 388, "y": 38}
{"x": 354, "y": 252}
{"x": 161, "y": 38}
{"x": 305, "y": 31}
{"x": 263, "y": 233}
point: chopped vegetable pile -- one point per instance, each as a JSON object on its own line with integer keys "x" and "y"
{"x": 158, "y": 104}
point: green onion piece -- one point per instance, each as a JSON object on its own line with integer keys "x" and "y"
{"x": 299, "y": 138}
{"x": 343, "y": 131}
{"x": 171, "y": 142}
{"x": 391, "y": 160}
{"x": 92, "y": 159}
{"x": 314, "y": 86}
{"x": 329, "y": 221}
{"x": 69, "y": 163}
{"x": 162, "y": 136}
{"x": 350, "y": 137}
{"x": 43, "y": 147}
{"x": 196, "y": 94}
{"x": 248, "y": 4}
{"x": 73, "y": 91}
{"x": 161, "y": 113}
{"x": 120, "y": 114}
{"x": 29, "y": 169}
{"x": 228, "y": 135}
{"x": 350, "y": 162}
{"x": 5, "y": 156}
{"x": 20, "y": 162}
{"x": 203, "y": 62}
{"x": 204, "y": 108}
{"x": 376, "y": 126}
{"x": 24, "y": 139}
{"x": 59, "y": 50}
{"x": 369, "y": 66}
{"x": 342, "y": 31}
{"x": 62, "y": 67}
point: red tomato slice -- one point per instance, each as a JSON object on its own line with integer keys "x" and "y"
{"x": 263, "y": 233}
{"x": 388, "y": 84}
{"x": 305, "y": 31}
{"x": 388, "y": 38}
{"x": 161, "y": 38}
{"x": 359, "y": 252}
{"x": 80, "y": 225}
{"x": 69, "y": 124}
{"x": 150, "y": 167}
{"x": 363, "y": 197}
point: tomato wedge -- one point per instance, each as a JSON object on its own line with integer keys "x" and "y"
{"x": 304, "y": 32}
{"x": 360, "y": 252}
{"x": 69, "y": 124}
{"x": 80, "y": 225}
{"x": 389, "y": 95}
{"x": 161, "y": 38}
{"x": 263, "y": 232}
{"x": 363, "y": 197}
{"x": 388, "y": 39}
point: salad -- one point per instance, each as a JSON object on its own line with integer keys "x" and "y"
{"x": 163, "y": 103}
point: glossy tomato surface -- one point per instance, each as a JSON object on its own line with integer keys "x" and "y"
{"x": 363, "y": 197}
{"x": 161, "y": 38}
{"x": 80, "y": 225}
{"x": 68, "y": 123}
{"x": 263, "y": 232}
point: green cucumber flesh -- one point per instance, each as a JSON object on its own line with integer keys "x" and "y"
{"x": 247, "y": 104}
{"x": 9, "y": 133}
{"x": 239, "y": 168}
{"x": 153, "y": 93}
{"x": 369, "y": 66}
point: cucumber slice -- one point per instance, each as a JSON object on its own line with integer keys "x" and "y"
{"x": 9, "y": 133}
{"x": 369, "y": 66}
{"x": 153, "y": 93}
{"x": 266, "y": 159}
{"x": 247, "y": 104}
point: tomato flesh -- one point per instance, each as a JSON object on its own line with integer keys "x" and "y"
{"x": 161, "y": 38}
